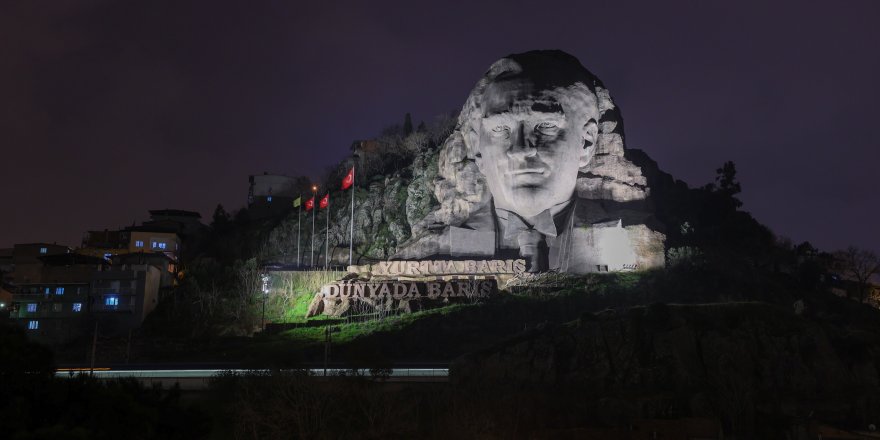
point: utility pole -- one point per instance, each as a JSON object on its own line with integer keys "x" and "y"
{"x": 94, "y": 346}
{"x": 265, "y": 289}
{"x": 328, "y": 331}
{"x": 128, "y": 348}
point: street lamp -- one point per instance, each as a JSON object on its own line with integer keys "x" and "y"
{"x": 265, "y": 278}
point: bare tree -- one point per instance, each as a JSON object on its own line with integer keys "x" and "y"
{"x": 415, "y": 143}
{"x": 248, "y": 288}
{"x": 860, "y": 265}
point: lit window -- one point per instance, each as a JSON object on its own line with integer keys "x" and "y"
{"x": 46, "y": 290}
{"x": 56, "y": 307}
{"x": 155, "y": 245}
{"x": 111, "y": 301}
{"x": 43, "y": 250}
{"x": 162, "y": 245}
{"x": 33, "y": 325}
{"x": 77, "y": 307}
{"x": 139, "y": 243}
{"x": 269, "y": 199}
{"x": 59, "y": 291}
{"x": 107, "y": 256}
{"x": 32, "y": 308}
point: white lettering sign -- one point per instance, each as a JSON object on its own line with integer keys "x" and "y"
{"x": 447, "y": 267}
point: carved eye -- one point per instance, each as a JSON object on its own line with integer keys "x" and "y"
{"x": 546, "y": 127}
{"x": 500, "y": 130}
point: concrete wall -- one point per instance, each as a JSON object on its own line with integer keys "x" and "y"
{"x": 271, "y": 195}
{"x": 172, "y": 243}
{"x": 263, "y": 185}
{"x": 57, "y": 319}
{"x": 150, "y": 297}
{"x": 26, "y": 260}
{"x": 137, "y": 290}
{"x": 136, "y": 286}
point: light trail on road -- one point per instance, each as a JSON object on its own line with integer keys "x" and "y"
{"x": 164, "y": 375}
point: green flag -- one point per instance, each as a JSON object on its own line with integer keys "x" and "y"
{"x": 297, "y": 202}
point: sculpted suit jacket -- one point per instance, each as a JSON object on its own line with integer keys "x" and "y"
{"x": 586, "y": 236}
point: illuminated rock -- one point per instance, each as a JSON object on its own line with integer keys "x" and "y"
{"x": 536, "y": 168}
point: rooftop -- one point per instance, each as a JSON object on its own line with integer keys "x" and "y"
{"x": 140, "y": 256}
{"x": 174, "y": 213}
{"x": 152, "y": 228}
{"x": 40, "y": 244}
{"x": 71, "y": 259}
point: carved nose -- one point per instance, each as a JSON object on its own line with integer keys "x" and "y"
{"x": 521, "y": 146}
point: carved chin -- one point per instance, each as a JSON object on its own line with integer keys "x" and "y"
{"x": 530, "y": 201}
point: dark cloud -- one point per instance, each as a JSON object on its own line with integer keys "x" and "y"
{"x": 108, "y": 109}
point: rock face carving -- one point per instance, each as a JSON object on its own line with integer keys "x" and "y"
{"x": 535, "y": 168}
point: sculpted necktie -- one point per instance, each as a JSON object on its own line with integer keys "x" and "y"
{"x": 532, "y": 247}
{"x": 532, "y": 240}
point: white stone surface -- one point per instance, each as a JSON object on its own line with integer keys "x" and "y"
{"x": 537, "y": 134}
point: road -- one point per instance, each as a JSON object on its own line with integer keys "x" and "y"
{"x": 194, "y": 379}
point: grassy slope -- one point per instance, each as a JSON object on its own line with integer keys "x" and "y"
{"x": 446, "y": 333}
{"x": 442, "y": 334}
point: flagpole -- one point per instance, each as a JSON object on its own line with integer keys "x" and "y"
{"x": 298, "y": 231}
{"x": 327, "y": 238}
{"x": 351, "y": 225}
{"x": 314, "y": 208}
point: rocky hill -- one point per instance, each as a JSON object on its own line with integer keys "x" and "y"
{"x": 394, "y": 186}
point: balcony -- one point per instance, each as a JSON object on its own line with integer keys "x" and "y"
{"x": 31, "y": 297}
{"x": 114, "y": 291}
{"x": 104, "y": 308}
{"x": 49, "y": 297}
{"x": 47, "y": 314}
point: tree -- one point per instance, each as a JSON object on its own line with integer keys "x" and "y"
{"x": 242, "y": 217}
{"x": 407, "y": 125}
{"x": 727, "y": 184}
{"x": 860, "y": 265}
{"x": 220, "y": 218}
{"x": 248, "y": 281}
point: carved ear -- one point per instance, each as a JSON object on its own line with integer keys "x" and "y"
{"x": 472, "y": 139}
{"x": 610, "y": 139}
{"x": 590, "y": 134}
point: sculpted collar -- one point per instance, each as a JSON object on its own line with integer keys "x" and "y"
{"x": 545, "y": 222}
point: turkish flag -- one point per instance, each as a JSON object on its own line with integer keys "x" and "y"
{"x": 348, "y": 181}
{"x": 310, "y": 204}
{"x": 325, "y": 202}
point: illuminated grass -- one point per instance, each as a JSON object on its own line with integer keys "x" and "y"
{"x": 347, "y": 332}
{"x": 293, "y": 291}
{"x": 565, "y": 286}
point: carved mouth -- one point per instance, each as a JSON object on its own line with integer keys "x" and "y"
{"x": 523, "y": 171}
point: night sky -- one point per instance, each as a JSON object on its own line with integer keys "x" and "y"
{"x": 109, "y": 109}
